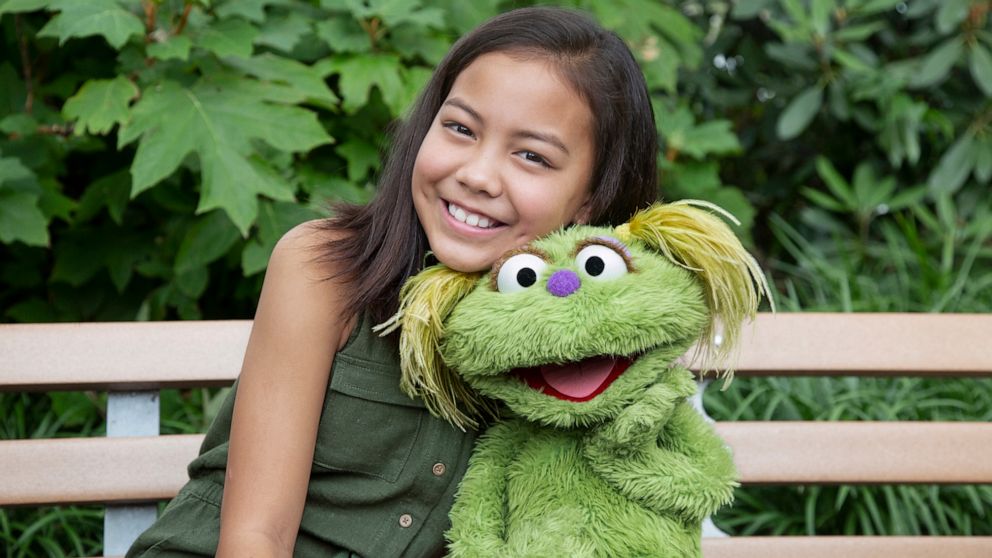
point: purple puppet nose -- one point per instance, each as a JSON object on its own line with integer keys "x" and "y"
{"x": 563, "y": 282}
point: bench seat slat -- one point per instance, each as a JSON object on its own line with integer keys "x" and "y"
{"x": 848, "y": 547}
{"x": 806, "y": 452}
{"x": 116, "y": 470}
{"x": 146, "y": 355}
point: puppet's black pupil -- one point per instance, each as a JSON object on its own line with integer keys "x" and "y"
{"x": 595, "y": 266}
{"x": 526, "y": 277}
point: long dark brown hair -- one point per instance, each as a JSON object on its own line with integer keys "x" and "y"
{"x": 385, "y": 243}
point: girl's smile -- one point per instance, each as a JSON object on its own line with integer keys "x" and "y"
{"x": 507, "y": 159}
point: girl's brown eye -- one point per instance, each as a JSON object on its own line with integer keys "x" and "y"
{"x": 459, "y": 129}
{"x": 535, "y": 158}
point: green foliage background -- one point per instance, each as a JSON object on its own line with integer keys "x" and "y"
{"x": 152, "y": 152}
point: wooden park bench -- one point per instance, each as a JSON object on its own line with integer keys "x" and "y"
{"x": 133, "y": 468}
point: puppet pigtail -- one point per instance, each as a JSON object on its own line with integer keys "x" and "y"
{"x": 701, "y": 242}
{"x": 426, "y": 299}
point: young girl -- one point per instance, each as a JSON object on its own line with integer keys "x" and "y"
{"x": 537, "y": 119}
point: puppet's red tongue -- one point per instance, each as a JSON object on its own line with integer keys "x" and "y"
{"x": 578, "y": 379}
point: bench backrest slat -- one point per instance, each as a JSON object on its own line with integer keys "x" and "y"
{"x": 868, "y": 345}
{"x": 148, "y": 355}
{"x": 121, "y": 356}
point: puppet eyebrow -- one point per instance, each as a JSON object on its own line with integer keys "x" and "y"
{"x": 545, "y": 137}
{"x": 612, "y": 243}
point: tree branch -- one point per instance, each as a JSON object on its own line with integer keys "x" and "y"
{"x": 150, "y": 12}
{"x": 183, "y": 19}
{"x": 25, "y": 65}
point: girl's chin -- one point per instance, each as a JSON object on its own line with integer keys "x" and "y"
{"x": 466, "y": 256}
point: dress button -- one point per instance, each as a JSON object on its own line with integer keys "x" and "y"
{"x": 406, "y": 520}
{"x": 438, "y": 469}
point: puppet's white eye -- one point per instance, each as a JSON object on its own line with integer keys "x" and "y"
{"x": 599, "y": 262}
{"x": 519, "y": 272}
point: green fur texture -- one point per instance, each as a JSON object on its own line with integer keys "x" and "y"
{"x": 631, "y": 472}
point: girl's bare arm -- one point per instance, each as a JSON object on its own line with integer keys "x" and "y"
{"x": 298, "y": 327}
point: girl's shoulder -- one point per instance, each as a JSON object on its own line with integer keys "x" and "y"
{"x": 302, "y": 282}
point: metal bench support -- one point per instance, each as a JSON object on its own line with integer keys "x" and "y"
{"x": 132, "y": 413}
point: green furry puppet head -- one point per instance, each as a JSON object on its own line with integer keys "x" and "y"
{"x": 568, "y": 329}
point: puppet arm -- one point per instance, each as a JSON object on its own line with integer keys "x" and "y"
{"x": 637, "y": 427}
{"x": 478, "y": 517}
{"x": 688, "y": 472}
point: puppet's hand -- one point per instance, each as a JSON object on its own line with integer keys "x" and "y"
{"x": 636, "y": 428}
{"x": 686, "y": 472}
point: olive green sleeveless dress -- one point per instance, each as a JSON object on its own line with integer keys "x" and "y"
{"x": 384, "y": 470}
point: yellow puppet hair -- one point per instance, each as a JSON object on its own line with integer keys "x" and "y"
{"x": 426, "y": 299}
{"x": 701, "y": 242}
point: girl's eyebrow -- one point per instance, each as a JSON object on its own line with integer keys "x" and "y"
{"x": 548, "y": 138}
{"x": 456, "y": 102}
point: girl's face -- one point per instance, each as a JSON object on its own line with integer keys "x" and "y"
{"x": 508, "y": 159}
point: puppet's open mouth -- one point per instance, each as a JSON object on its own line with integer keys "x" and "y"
{"x": 575, "y": 381}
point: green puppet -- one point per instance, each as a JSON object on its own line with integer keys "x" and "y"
{"x": 575, "y": 342}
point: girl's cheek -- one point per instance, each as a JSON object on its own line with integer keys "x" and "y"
{"x": 434, "y": 157}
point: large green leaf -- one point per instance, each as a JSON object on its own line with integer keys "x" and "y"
{"x": 954, "y": 166}
{"x": 951, "y": 13}
{"x": 983, "y": 159}
{"x": 210, "y": 237}
{"x": 359, "y": 73}
{"x": 714, "y": 137}
{"x": 100, "y": 104}
{"x": 465, "y": 16}
{"x": 15, "y": 6}
{"x": 110, "y": 191}
{"x": 13, "y": 172}
{"x": 305, "y": 79}
{"x": 980, "y": 64}
{"x": 173, "y": 121}
{"x": 227, "y": 37}
{"x": 78, "y": 18}
{"x": 935, "y": 66}
{"x": 396, "y": 12}
{"x": 122, "y": 253}
{"x": 252, "y": 10}
{"x": 284, "y": 32}
{"x": 800, "y": 112}
{"x": 21, "y": 220}
{"x": 175, "y": 47}
{"x": 343, "y": 34}
{"x": 746, "y": 9}
{"x": 361, "y": 156}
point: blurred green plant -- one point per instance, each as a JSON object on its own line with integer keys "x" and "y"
{"x": 153, "y": 151}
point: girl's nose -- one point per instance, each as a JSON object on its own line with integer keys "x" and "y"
{"x": 563, "y": 282}
{"x": 480, "y": 175}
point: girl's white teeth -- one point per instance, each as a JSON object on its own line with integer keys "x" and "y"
{"x": 469, "y": 218}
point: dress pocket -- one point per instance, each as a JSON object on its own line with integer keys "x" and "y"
{"x": 367, "y": 433}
